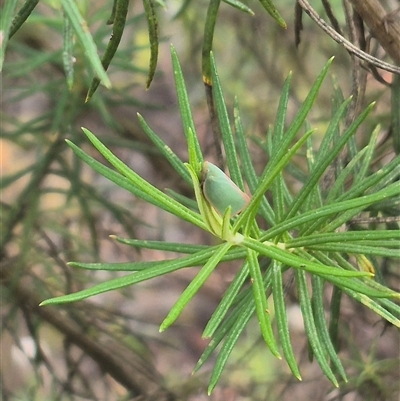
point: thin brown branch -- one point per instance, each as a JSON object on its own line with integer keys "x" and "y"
{"x": 383, "y": 26}
{"x": 113, "y": 358}
{"x": 350, "y": 47}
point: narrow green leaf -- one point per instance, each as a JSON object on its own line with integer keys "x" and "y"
{"x": 120, "y": 282}
{"x": 209, "y": 28}
{"x": 282, "y": 319}
{"x": 252, "y": 180}
{"x": 320, "y": 322}
{"x": 135, "y": 184}
{"x": 383, "y": 289}
{"x": 22, "y": 15}
{"x": 68, "y": 58}
{"x": 323, "y": 164}
{"x": 226, "y": 302}
{"x": 110, "y": 285}
{"x": 240, "y": 6}
{"x": 186, "y": 113}
{"x": 184, "y": 200}
{"x": 345, "y": 236}
{"x": 231, "y": 330}
{"x": 260, "y": 301}
{"x": 365, "y": 286}
{"x": 82, "y": 32}
{"x": 313, "y": 334}
{"x": 332, "y": 133}
{"x": 230, "y": 340}
{"x": 362, "y": 287}
{"x": 267, "y": 180}
{"x": 389, "y": 176}
{"x": 194, "y": 161}
{"x": 300, "y": 117}
{"x": 278, "y": 201}
{"x": 227, "y": 136}
{"x": 338, "y": 185}
{"x": 166, "y": 151}
{"x": 390, "y": 306}
{"x": 238, "y": 321}
{"x": 273, "y": 12}
{"x": 233, "y": 322}
{"x": 367, "y": 162}
{"x": 201, "y": 254}
{"x": 357, "y": 249}
{"x": 357, "y": 205}
{"x": 345, "y": 217}
{"x": 226, "y": 224}
{"x": 121, "y": 267}
{"x": 379, "y": 180}
{"x": 374, "y": 306}
{"x": 195, "y": 285}
{"x": 280, "y": 118}
{"x": 112, "y": 175}
{"x": 5, "y": 25}
{"x": 121, "y": 11}
{"x": 162, "y": 245}
{"x": 149, "y": 8}
{"x": 223, "y": 329}
{"x": 314, "y": 198}
{"x": 298, "y": 262}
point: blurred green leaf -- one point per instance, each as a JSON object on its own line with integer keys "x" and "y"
{"x": 82, "y": 32}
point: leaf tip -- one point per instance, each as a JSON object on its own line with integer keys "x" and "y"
{"x": 85, "y": 131}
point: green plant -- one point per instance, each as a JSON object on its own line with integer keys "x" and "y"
{"x": 375, "y": 379}
{"x": 47, "y": 202}
{"x": 304, "y": 233}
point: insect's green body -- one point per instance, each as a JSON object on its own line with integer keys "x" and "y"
{"x": 221, "y": 192}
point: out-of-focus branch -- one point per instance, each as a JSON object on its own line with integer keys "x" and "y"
{"x": 122, "y": 364}
{"x": 384, "y": 27}
{"x": 305, "y": 5}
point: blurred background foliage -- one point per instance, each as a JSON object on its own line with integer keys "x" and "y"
{"x": 55, "y": 209}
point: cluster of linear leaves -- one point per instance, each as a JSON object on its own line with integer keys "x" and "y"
{"x": 303, "y": 236}
{"x": 74, "y": 24}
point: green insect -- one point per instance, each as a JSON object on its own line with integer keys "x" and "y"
{"x": 221, "y": 192}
